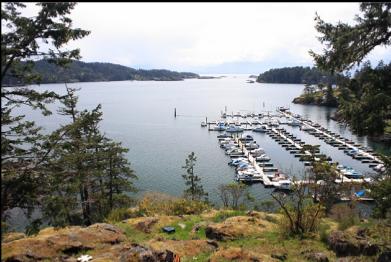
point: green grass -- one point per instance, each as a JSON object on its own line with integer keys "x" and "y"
{"x": 223, "y": 215}
{"x": 200, "y": 257}
{"x": 133, "y": 234}
{"x": 185, "y": 233}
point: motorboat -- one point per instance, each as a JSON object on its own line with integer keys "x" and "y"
{"x": 220, "y": 126}
{"x": 380, "y": 168}
{"x": 233, "y": 151}
{"x": 236, "y": 162}
{"x": 281, "y": 181}
{"x": 283, "y": 109}
{"x": 262, "y": 158}
{"x": 224, "y": 136}
{"x": 293, "y": 122}
{"x": 249, "y": 177}
{"x": 349, "y": 172}
{"x": 257, "y": 152}
{"x": 261, "y": 129}
{"x": 283, "y": 184}
{"x": 274, "y": 122}
{"x": 233, "y": 129}
{"x": 306, "y": 128}
{"x": 246, "y": 138}
{"x": 251, "y": 145}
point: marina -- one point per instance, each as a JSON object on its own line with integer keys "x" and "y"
{"x": 254, "y": 166}
{"x": 144, "y": 132}
{"x": 356, "y": 151}
{"x": 250, "y": 162}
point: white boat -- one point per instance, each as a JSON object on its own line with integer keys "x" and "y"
{"x": 380, "y": 168}
{"x": 262, "y": 157}
{"x": 220, "y": 126}
{"x": 252, "y": 145}
{"x": 249, "y": 178}
{"x": 306, "y": 128}
{"x": 233, "y": 129}
{"x": 233, "y": 151}
{"x": 261, "y": 129}
{"x": 203, "y": 124}
{"x": 274, "y": 122}
{"x": 283, "y": 184}
{"x": 293, "y": 122}
{"x": 281, "y": 181}
{"x": 257, "y": 152}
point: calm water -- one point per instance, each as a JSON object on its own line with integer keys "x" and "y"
{"x": 141, "y": 115}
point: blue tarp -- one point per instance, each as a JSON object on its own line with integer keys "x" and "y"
{"x": 360, "y": 193}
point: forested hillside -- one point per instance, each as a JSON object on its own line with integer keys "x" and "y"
{"x": 296, "y": 75}
{"x": 79, "y": 71}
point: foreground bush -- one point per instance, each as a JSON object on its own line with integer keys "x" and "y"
{"x": 345, "y": 215}
{"x": 162, "y": 204}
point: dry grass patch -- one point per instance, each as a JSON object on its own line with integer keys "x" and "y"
{"x": 183, "y": 248}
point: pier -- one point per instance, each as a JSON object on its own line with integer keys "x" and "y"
{"x": 238, "y": 123}
{"x": 342, "y": 178}
{"x": 266, "y": 181}
{"x": 352, "y": 147}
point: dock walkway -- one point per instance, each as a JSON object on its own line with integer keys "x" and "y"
{"x": 341, "y": 176}
{"x": 362, "y": 152}
{"x": 265, "y": 178}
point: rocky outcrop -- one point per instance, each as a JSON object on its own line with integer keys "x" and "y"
{"x": 315, "y": 256}
{"x": 104, "y": 242}
{"x": 344, "y": 244}
{"x": 238, "y": 254}
{"x": 49, "y": 243}
{"x": 385, "y": 256}
{"x": 146, "y": 224}
{"x": 184, "y": 247}
{"x": 12, "y": 236}
{"x": 236, "y": 227}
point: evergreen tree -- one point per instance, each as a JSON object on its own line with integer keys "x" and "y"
{"x": 23, "y": 147}
{"x": 365, "y": 99}
{"x": 380, "y": 190}
{"x": 194, "y": 189}
{"x": 347, "y": 45}
{"x": 87, "y": 172}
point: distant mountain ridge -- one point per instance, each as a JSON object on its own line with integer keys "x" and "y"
{"x": 296, "y": 75}
{"x": 78, "y": 71}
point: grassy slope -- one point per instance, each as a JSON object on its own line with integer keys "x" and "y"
{"x": 266, "y": 243}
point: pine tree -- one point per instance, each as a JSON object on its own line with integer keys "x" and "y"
{"x": 88, "y": 173}
{"x": 194, "y": 190}
{"x": 23, "y": 147}
{"x": 365, "y": 99}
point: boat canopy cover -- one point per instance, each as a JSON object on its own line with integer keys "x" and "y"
{"x": 360, "y": 193}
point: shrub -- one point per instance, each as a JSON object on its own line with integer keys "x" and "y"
{"x": 308, "y": 220}
{"x": 163, "y": 204}
{"x": 120, "y": 214}
{"x": 224, "y": 214}
{"x": 265, "y": 206}
{"x": 188, "y": 207}
{"x": 345, "y": 215}
{"x": 324, "y": 232}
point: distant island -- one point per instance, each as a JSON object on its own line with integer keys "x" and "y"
{"x": 296, "y": 75}
{"x": 78, "y": 71}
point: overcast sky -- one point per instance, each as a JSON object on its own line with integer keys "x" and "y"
{"x": 206, "y": 37}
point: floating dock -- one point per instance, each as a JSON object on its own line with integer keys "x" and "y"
{"x": 265, "y": 179}
{"x": 335, "y": 138}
